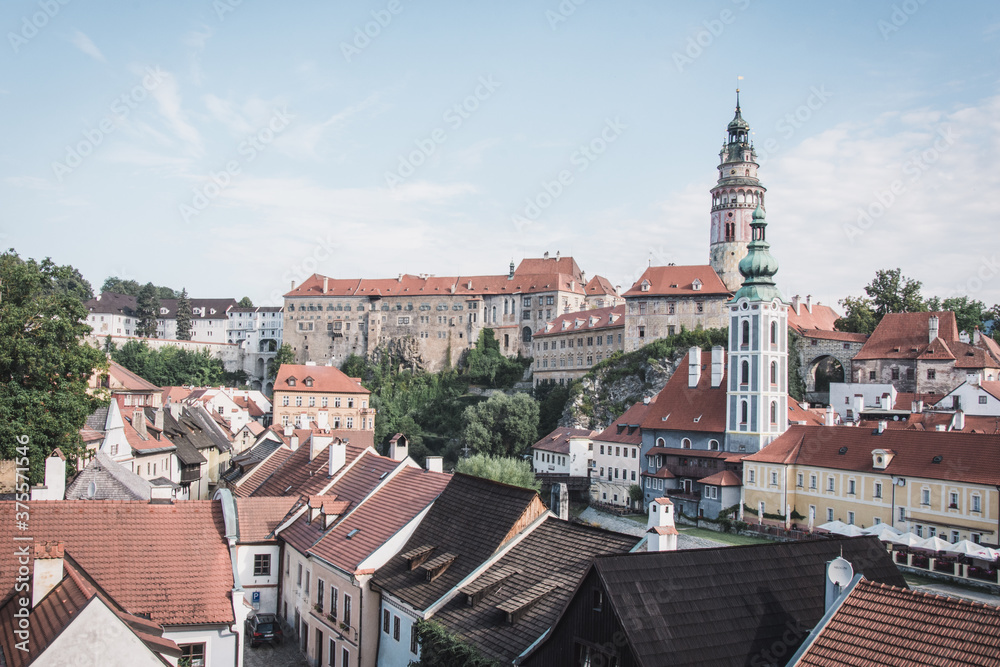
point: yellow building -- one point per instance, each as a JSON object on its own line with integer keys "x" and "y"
{"x": 928, "y": 482}
{"x": 321, "y": 394}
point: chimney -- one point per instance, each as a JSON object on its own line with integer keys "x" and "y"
{"x": 694, "y": 366}
{"x": 317, "y": 443}
{"x": 557, "y": 255}
{"x": 957, "y": 424}
{"x": 54, "y": 486}
{"x": 326, "y": 284}
{"x": 161, "y": 494}
{"x": 881, "y": 426}
{"x": 932, "y": 328}
{"x": 940, "y": 427}
{"x": 294, "y": 442}
{"x": 660, "y": 528}
{"x": 287, "y": 430}
{"x": 337, "y": 456}
{"x": 718, "y": 364}
{"x": 48, "y": 569}
{"x": 828, "y": 419}
{"x": 434, "y": 464}
{"x": 917, "y": 407}
{"x": 323, "y": 420}
{"x": 546, "y": 255}
{"x": 859, "y": 406}
{"x": 795, "y": 303}
{"x": 158, "y": 418}
{"x": 809, "y": 302}
{"x": 398, "y": 447}
{"x": 139, "y": 423}
{"x": 976, "y": 336}
{"x": 559, "y": 500}
{"x": 510, "y": 276}
{"x": 293, "y": 285}
{"x": 645, "y": 400}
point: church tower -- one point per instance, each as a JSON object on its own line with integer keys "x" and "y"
{"x": 734, "y": 197}
{"x": 757, "y": 389}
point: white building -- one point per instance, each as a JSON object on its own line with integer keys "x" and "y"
{"x": 209, "y": 319}
{"x": 112, "y": 315}
{"x": 850, "y": 399}
{"x": 980, "y": 398}
{"x": 565, "y": 451}
{"x": 617, "y": 455}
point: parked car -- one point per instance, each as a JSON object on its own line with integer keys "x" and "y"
{"x": 263, "y": 628}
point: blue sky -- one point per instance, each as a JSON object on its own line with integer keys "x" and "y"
{"x": 232, "y": 147}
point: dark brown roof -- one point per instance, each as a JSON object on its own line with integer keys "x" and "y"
{"x": 682, "y": 408}
{"x": 558, "y": 440}
{"x": 556, "y": 551}
{"x": 883, "y": 625}
{"x": 972, "y": 458}
{"x": 906, "y": 335}
{"x": 472, "y": 519}
{"x": 112, "y": 302}
{"x": 620, "y": 431}
{"x": 728, "y": 605}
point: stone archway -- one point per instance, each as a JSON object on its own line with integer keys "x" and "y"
{"x": 823, "y": 370}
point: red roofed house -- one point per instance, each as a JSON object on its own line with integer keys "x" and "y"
{"x": 564, "y": 451}
{"x": 924, "y": 353}
{"x": 321, "y": 394}
{"x": 328, "y": 319}
{"x": 569, "y": 345}
{"x": 601, "y": 294}
{"x": 617, "y": 459}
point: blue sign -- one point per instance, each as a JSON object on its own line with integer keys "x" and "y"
{"x": 255, "y": 597}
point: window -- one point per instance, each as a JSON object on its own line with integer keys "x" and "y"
{"x": 745, "y": 373}
{"x": 774, "y": 479}
{"x": 752, "y": 475}
{"x": 685, "y": 443}
{"x": 977, "y": 504}
{"x": 349, "y": 422}
{"x": 336, "y": 402}
{"x": 413, "y": 638}
{"x": 320, "y": 591}
{"x": 851, "y": 487}
{"x": 774, "y": 333}
{"x": 953, "y": 500}
{"x": 930, "y": 373}
{"x": 954, "y": 536}
{"x": 774, "y": 372}
{"x": 713, "y": 445}
{"x": 298, "y": 576}
{"x": 312, "y": 401}
{"x": 298, "y": 401}
{"x": 925, "y": 497}
{"x": 262, "y": 565}
{"x": 345, "y": 656}
{"x": 812, "y": 482}
{"x": 385, "y": 621}
{"x": 284, "y": 401}
{"x": 745, "y": 333}
{"x": 878, "y": 489}
{"x": 324, "y": 402}
{"x": 920, "y": 530}
{"x": 288, "y": 564}
{"x": 598, "y": 599}
{"x": 830, "y": 484}
{"x": 193, "y": 654}
{"x": 395, "y": 628}
{"x": 333, "y": 601}
{"x": 902, "y": 514}
{"x": 798, "y": 480}
{"x": 642, "y": 332}
{"x": 895, "y": 373}
{"x": 829, "y": 514}
{"x": 932, "y": 531}
{"x": 744, "y": 410}
{"x": 850, "y": 518}
{"x": 347, "y": 609}
{"x": 602, "y": 450}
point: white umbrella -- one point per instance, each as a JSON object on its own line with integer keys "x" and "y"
{"x": 906, "y": 539}
{"x": 970, "y": 548}
{"x": 848, "y": 531}
{"x": 833, "y": 526}
{"x": 933, "y": 544}
{"x": 883, "y": 530}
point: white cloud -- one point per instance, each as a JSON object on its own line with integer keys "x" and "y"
{"x": 84, "y": 43}
{"x": 168, "y": 98}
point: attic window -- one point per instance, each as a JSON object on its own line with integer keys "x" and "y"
{"x": 415, "y": 557}
{"x": 842, "y": 451}
{"x": 290, "y": 382}
{"x": 936, "y": 459}
{"x": 697, "y": 419}
{"x": 516, "y": 607}
{"x": 437, "y": 566}
{"x": 309, "y": 382}
{"x": 353, "y": 533}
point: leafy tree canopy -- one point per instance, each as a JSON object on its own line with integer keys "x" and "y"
{"x": 44, "y": 362}
{"x": 285, "y": 355}
{"x": 502, "y": 425}
{"x": 147, "y": 307}
{"x": 245, "y": 302}
{"x": 132, "y": 288}
{"x": 487, "y": 365}
{"x": 183, "y": 316}
{"x": 440, "y": 648}
{"x": 172, "y": 366}
{"x": 969, "y": 313}
{"x": 516, "y": 472}
{"x": 889, "y": 292}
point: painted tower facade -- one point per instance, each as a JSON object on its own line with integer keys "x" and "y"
{"x": 757, "y": 390}
{"x": 734, "y": 198}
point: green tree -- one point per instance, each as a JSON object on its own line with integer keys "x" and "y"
{"x": 245, "y": 302}
{"x": 516, "y": 472}
{"x": 487, "y": 365}
{"x": 171, "y": 366}
{"x": 121, "y": 286}
{"x": 635, "y": 494}
{"x": 796, "y": 385}
{"x": 502, "y": 425}
{"x": 146, "y": 311}
{"x": 858, "y": 316}
{"x": 45, "y": 363}
{"x": 183, "y": 316}
{"x": 892, "y": 292}
{"x": 285, "y": 355}
{"x": 440, "y": 648}
{"x": 969, "y": 313}
{"x": 551, "y": 399}
{"x": 68, "y": 280}
{"x": 166, "y": 293}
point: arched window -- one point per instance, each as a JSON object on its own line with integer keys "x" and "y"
{"x": 494, "y": 313}
{"x": 774, "y": 333}
{"x": 774, "y": 412}
{"x": 774, "y": 372}
{"x": 745, "y": 372}
{"x": 686, "y": 443}
{"x": 745, "y": 333}
{"x": 505, "y": 306}
{"x": 713, "y": 445}
{"x": 660, "y": 442}
{"x": 526, "y": 334}
{"x": 743, "y": 412}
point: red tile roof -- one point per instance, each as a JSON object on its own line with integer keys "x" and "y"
{"x": 682, "y": 408}
{"x": 991, "y": 387}
{"x": 600, "y": 285}
{"x": 678, "y": 281}
{"x": 796, "y": 413}
{"x": 128, "y": 380}
{"x": 327, "y": 379}
{"x": 597, "y": 319}
{"x": 883, "y": 625}
{"x": 143, "y": 555}
{"x": 249, "y": 405}
{"x": 964, "y": 457}
{"x": 262, "y": 472}
{"x": 174, "y": 394}
{"x": 722, "y": 478}
{"x": 929, "y": 421}
{"x": 906, "y": 335}
{"x": 905, "y": 400}
{"x": 558, "y": 440}
{"x": 549, "y": 265}
{"x": 259, "y": 517}
{"x": 297, "y": 475}
{"x": 817, "y": 317}
{"x": 619, "y": 430}
{"x": 844, "y": 336}
{"x": 380, "y": 517}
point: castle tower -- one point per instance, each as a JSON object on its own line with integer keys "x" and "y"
{"x": 734, "y": 198}
{"x": 757, "y": 390}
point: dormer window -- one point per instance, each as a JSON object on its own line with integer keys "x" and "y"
{"x": 308, "y": 382}
{"x": 696, "y": 285}
{"x": 644, "y": 286}
{"x": 290, "y": 382}
{"x": 881, "y": 458}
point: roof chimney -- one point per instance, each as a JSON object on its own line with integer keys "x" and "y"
{"x": 881, "y": 426}
{"x": 158, "y": 418}
{"x": 795, "y": 303}
{"x": 323, "y": 419}
{"x": 326, "y": 284}
{"x": 932, "y": 328}
{"x": 694, "y": 366}
{"x": 294, "y": 442}
{"x": 645, "y": 400}
{"x": 859, "y": 406}
{"x": 718, "y": 364}
{"x": 317, "y": 443}
{"x": 139, "y": 423}
{"x": 809, "y": 302}
{"x": 48, "y": 569}
{"x": 434, "y": 464}
{"x": 828, "y": 419}
{"x": 546, "y": 255}
{"x": 398, "y": 447}
{"x": 287, "y": 430}
{"x": 917, "y": 407}
{"x": 54, "y": 486}
{"x": 559, "y": 500}
{"x": 957, "y": 424}
{"x": 510, "y": 276}
{"x": 337, "y": 456}
{"x": 660, "y": 528}
{"x": 976, "y": 336}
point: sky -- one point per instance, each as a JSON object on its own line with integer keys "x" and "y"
{"x": 234, "y": 147}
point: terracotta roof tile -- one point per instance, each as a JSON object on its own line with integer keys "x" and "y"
{"x": 600, "y": 285}
{"x": 722, "y": 478}
{"x": 682, "y": 408}
{"x": 259, "y": 517}
{"x": 817, "y": 316}
{"x": 558, "y": 440}
{"x": 678, "y": 281}
{"x": 261, "y": 473}
{"x": 624, "y": 429}
{"x": 297, "y": 475}
{"x": 906, "y": 335}
{"x": 324, "y": 379}
{"x": 597, "y": 319}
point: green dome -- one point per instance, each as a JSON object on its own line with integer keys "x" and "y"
{"x": 759, "y": 266}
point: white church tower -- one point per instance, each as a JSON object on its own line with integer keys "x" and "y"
{"x": 757, "y": 389}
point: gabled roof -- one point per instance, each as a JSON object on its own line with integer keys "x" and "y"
{"x": 325, "y": 379}
{"x": 378, "y": 518}
{"x": 296, "y": 475}
{"x": 599, "y": 285}
{"x": 124, "y": 379}
{"x": 111, "y": 481}
{"x": 884, "y": 625}
{"x": 558, "y": 440}
{"x": 258, "y": 518}
{"x": 991, "y": 387}
{"x": 262, "y": 472}
{"x": 142, "y": 554}
{"x": 724, "y": 606}
{"x": 193, "y": 432}
{"x": 722, "y": 478}
{"x": 816, "y": 317}
{"x": 548, "y": 266}
{"x": 557, "y": 553}
{"x": 678, "y": 281}
{"x": 906, "y": 335}
{"x": 471, "y": 519}
{"x": 597, "y": 319}
{"x": 961, "y": 457}
{"x": 627, "y": 428}
{"x": 112, "y": 303}
{"x": 682, "y": 408}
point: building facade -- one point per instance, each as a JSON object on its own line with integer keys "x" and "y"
{"x": 567, "y": 347}
{"x": 323, "y": 395}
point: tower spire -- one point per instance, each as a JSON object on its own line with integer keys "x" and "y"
{"x": 759, "y": 266}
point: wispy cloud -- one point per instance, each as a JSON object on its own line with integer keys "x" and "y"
{"x": 168, "y": 97}
{"x": 85, "y": 44}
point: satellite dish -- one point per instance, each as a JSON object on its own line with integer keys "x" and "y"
{"x": 840, "y": 572}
